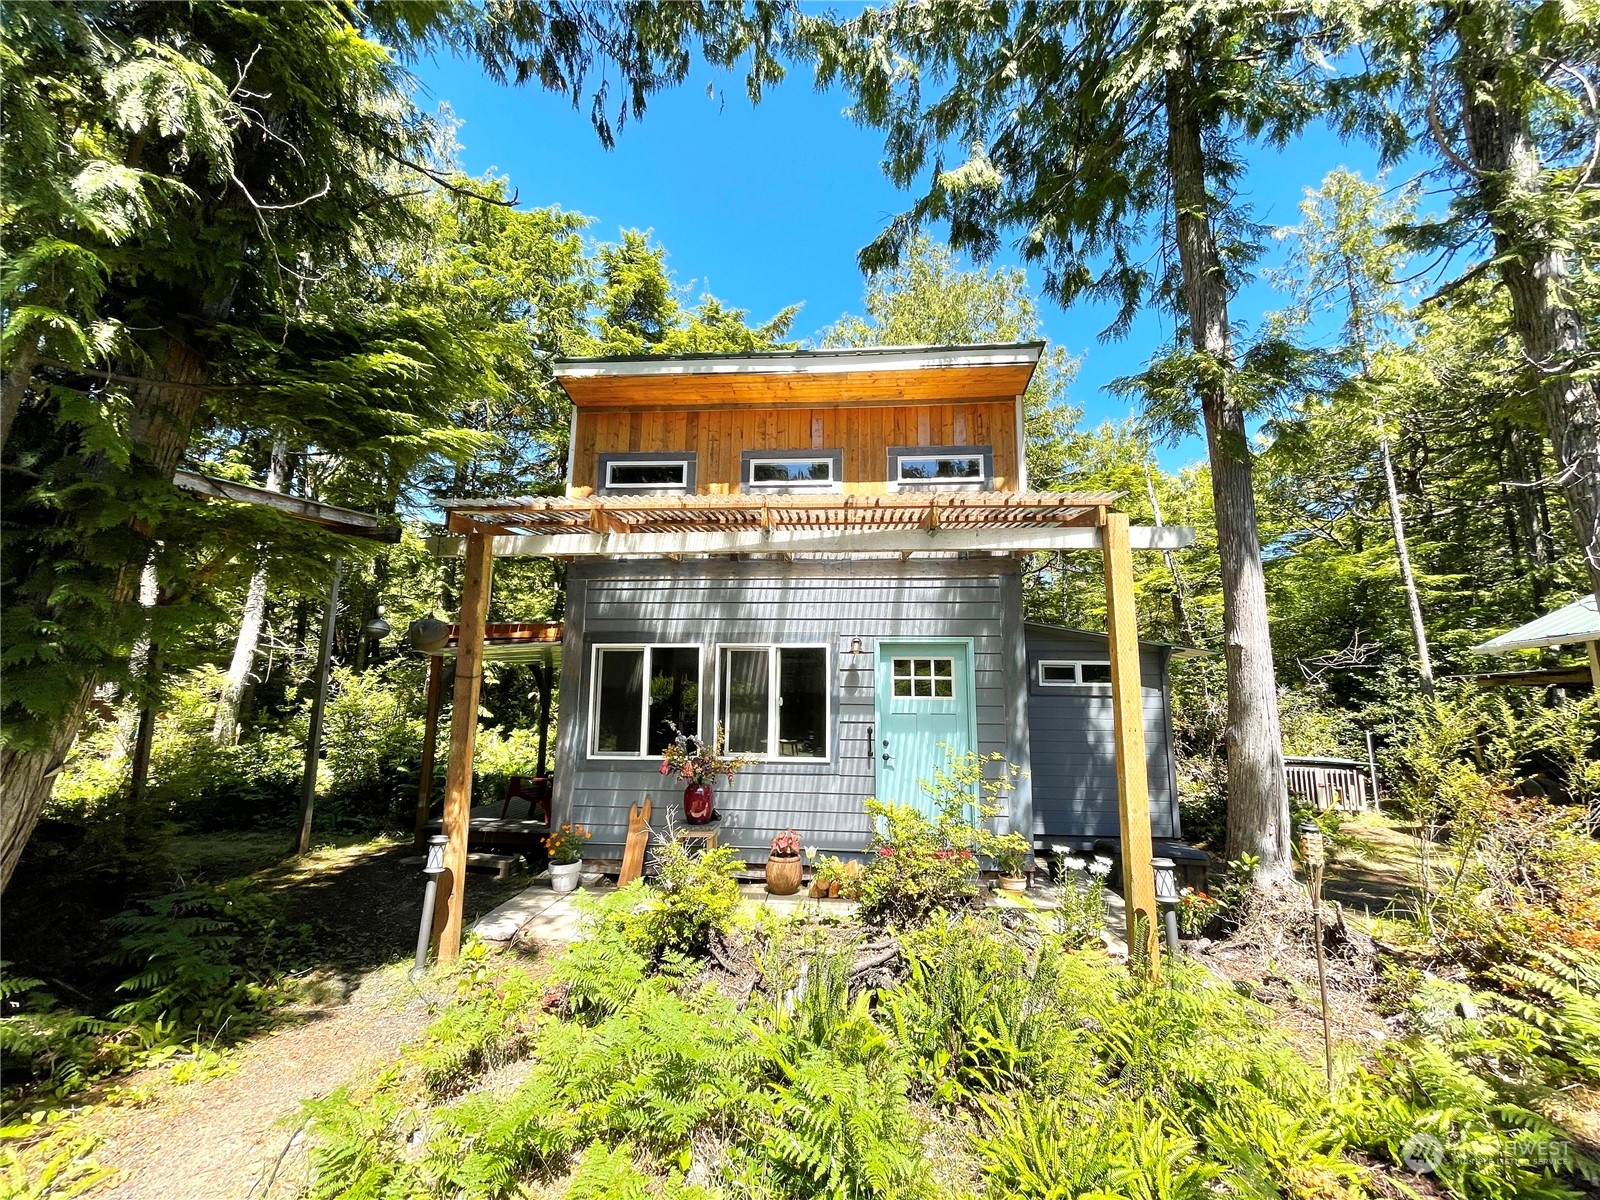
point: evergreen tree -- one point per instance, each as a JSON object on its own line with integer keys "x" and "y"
{"x": 1092, "y": 129}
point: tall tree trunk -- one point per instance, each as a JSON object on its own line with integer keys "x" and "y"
{"x": 17, "y": 382}
{"x": 1397, "y": 520}
{"x": 225, "y": 729}
{"x": 1532, "y": 263}
{"x": 1397, "y": 523}
{"x": 133, "y": 705}
{"x": 1258, "y": 799}
{"x": 163, "y": 417}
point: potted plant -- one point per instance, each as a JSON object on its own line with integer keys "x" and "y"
{"x": 566, "y": 856}
{"x": 783, "y": 864}
{"x": 1011, "y": 857}
{"x": 698, "y": 765}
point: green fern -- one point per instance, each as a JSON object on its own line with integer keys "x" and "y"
{"x": 844, "y": 1131}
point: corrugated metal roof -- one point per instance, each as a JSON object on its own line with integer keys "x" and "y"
{"x": 1575, "y": 622}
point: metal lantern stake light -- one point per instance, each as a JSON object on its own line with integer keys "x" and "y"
{"x": 432, "y": 868}
{"x": 1167, "y": 898}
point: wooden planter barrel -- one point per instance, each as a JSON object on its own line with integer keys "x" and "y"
{"x": 783, "y": 874}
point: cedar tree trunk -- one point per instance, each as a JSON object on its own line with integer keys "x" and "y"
{"x": 1533, "y": 265}
{"x": 1258, "y": 800}
{"x": 164, "y": 414}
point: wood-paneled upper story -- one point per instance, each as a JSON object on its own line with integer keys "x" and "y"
{"x": 881, "y": 420}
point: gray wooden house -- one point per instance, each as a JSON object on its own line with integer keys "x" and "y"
{"x": 818, "y": 553}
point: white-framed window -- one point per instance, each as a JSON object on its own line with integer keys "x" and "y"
{"x": 1060, "y": 672}
{"x": 792, "y": 470}
{"x": 918, "y": 678}
{"x": 646, "y": 475}
{"x": 932, "y": 468}
{"x": 792, "y": 473}
{"x": 639, "y": 695}
{"x": 775, "y": 702}
{"x": 941, "y": 468}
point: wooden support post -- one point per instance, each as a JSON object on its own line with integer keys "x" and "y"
{"x": 547, "y": 676}
{"x": 476, "y": 578}
{"x": 1594, "y": 666}
{"x": 1127, "y": 704}
{"x": 430, "y": 740}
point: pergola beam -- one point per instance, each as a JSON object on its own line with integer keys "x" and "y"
{"x": 816, "y": 541}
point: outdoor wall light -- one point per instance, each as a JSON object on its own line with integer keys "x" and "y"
{"x": 855, "y": 645}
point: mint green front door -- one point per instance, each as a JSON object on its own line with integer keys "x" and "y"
{"x": 924, "y": 698}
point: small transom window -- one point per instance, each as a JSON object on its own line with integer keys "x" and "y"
{"x": 639, "y": 476}
{"x": 792, "y": 472}
{"x": 916, "y": 468}
{"x": 924, "y": 678}
{"x": 1062, "y": 673}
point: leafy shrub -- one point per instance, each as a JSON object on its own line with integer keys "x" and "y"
{"x": 690, "y": 895}
{"x": 372, "y": 742}
{"x": 917, "y": 863}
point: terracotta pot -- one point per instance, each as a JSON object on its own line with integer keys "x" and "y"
{"x": 818, "y": 890}
{"x": 783, "y": 874}
{"x": 833, "y": 889}
{"x": 699, "y": 804}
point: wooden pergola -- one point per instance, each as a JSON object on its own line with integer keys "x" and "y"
{"x": 874, "y": 524}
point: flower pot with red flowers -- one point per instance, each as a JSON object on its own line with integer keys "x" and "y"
{"x": 698, "y": 765}
{"x": 783, "y": 864}
{"x": 566, "y": 856}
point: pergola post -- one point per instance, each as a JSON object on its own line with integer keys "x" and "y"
{"x": 430, "y": 739}
{"x": 476, "y": 579}
{"x": 1127, "y": 704}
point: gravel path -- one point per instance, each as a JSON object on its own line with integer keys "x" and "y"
{"x": 224, "y": 1138}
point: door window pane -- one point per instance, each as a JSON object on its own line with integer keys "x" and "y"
{"x": 924, "y": 678}
{"x": 619, "y": 683}
{"x": 802, "y": 702}
{"x": 674, "y": 695}
{"x": 745, "y": 700}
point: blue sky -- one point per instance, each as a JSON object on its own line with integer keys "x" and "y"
{"x": 766, "y": 206}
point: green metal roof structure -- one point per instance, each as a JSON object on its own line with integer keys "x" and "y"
{"x": 1574, "y": 623}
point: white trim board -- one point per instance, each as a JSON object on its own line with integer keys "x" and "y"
{"x": 811, "y": 541}
{"x": 811, "y": 362}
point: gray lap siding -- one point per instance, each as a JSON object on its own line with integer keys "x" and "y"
{"x": 708, "y": 603}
